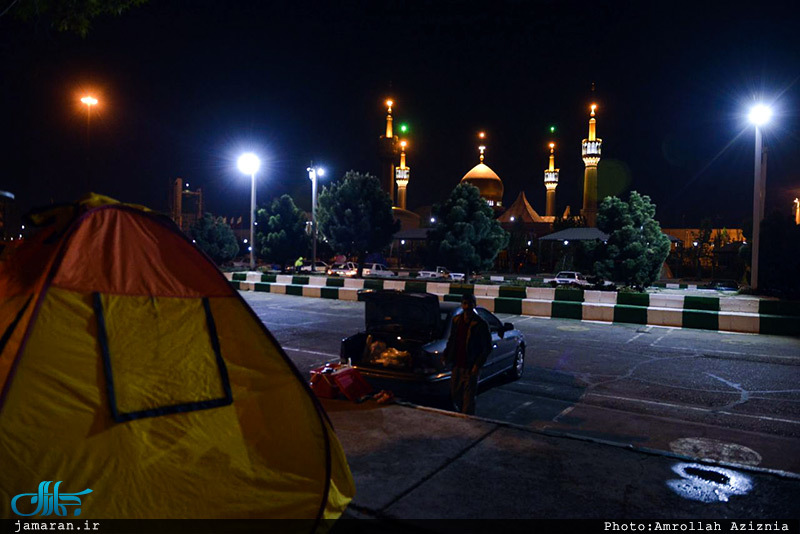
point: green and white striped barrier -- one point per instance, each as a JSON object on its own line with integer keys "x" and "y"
{"x": 730, "y": 314}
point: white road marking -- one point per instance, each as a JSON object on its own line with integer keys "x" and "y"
{"x": 521, "y": 406}
{"x": 685, "y": 407}
{"x": 712, "y": 351}
{"x": 647, "y": 331}
{"x": 564, "y": 412}
{"x": 662, "y": 336}
{"x": 306, "y": 351}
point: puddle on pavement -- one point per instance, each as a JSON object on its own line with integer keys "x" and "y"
{"x": 573, "y": 328}
{"x": 711, "y": 476}
{"x": 712, "y": 449}
{"x": 708, "y": 484}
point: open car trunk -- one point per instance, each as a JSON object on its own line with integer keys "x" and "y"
{"x": 398, "y": 326}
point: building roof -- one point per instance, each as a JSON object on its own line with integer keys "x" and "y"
{"x": 486, "y": 180}
{"x": 481, "y": 170}
{"x": 412, "y": 233}
{"x": 521, "y": 209}
{"x": 576, "y": 234}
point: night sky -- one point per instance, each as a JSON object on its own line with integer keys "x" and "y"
{"x": 185, "y": 87}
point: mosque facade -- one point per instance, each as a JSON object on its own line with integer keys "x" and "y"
{"x": 395, "y": 179}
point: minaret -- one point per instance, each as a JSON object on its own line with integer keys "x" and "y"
{"x": 387, "y": 151}
{"x": 591, "y": 157}
{"x": 551, "y": 182}
{"x": 402, "y": 174}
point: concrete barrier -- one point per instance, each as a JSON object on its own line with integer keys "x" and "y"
{"x": 746, "y": 315}
{"x": 541, "y": 293}
{"x": 487, "y": 291}
{"x": 594, "y": 311}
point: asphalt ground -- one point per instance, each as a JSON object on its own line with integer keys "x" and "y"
{"x": 733, "y": 398}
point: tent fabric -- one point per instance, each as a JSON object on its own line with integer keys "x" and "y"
{"x": 212, "y": 418}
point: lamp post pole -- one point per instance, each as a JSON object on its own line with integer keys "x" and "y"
{"x": 89, "y": 101}
{"x": 758, "y": 206}
{"x": 252, "y": 221}
{"x": 249, "y": 164}
{"x": 313, "y": 173}
{"x": 759, "y": 115}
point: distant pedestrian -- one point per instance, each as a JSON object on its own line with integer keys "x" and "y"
{"x": 298, "y": 264}
{"x": 468, "y": 346}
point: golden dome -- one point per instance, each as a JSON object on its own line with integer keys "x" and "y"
{"x": 487, "y": 181}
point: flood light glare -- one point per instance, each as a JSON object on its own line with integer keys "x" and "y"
{"x": 760, "y": 114}
{"x": 320, "y": 171}
{"x": 89, "y": 100}
{"x": 249, "y": 163}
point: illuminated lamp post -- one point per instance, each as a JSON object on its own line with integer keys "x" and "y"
{"x": 249, "y": 164}
{"x": 89, "y": 101}
{"x": 759, "y": 116}
{"x": 313, "y": 173}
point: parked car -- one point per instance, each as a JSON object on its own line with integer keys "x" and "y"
{"x": 320, "y": 267}
{"x": 441, "y": 272}
{"x": 378, "y": 269}
{"x": 343, "y": 269}
{"x": 727, "y": 285}
{"x": 568, "y": 278}
{"x": 401, "y": 348}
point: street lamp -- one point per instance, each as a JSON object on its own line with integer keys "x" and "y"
{"x": 759, "y": 116}
{"x": 89, "y": 101}
{"x": 249, "y": 163}
{"x": 313, "y": 173}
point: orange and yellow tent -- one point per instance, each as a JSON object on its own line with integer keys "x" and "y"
{"x": 129, "y": 366}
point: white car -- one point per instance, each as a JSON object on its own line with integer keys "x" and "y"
{"x": 320, "y": 267}
{"x": 378, "y": 270}
{"x": 441, "y": 272}
{"x": 568, "y": 278}
{"x": 348, "y": 269}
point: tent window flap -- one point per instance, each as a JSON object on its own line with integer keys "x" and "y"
{"x": 160, "y": 356}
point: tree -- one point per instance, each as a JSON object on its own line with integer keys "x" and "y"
{"x": 355, "y": 216}
{"x": 702, "y": 251}
{"x": 636, "y": 247}
{"x": 215, "y": 237}
{"x": 466, "y": 236}
{"x": 517, "y": 249}
{"x": 281, "y": 234}
{"x": 779, "y": 263}
{"x": 562, "y": 223}
{"x": 73, "y": 16}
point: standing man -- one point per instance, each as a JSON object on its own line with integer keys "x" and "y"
{"x": 468, "y": 346}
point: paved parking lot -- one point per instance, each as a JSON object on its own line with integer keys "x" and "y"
{"x": 729, "y": 397}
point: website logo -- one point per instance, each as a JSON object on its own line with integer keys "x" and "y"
{"x": 46, "y": 503}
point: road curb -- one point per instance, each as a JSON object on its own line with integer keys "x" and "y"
{"x": 724, "y": 314}
{"x": 645, "y": 450}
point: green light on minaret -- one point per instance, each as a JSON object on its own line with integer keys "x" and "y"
{"x": 552, "y": 129}
{"x": 404, "y": 128}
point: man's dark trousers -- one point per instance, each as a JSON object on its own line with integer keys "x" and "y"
{"x": 463, "y": 388}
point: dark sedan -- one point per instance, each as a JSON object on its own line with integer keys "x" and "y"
{"x": 404, "y": 338}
